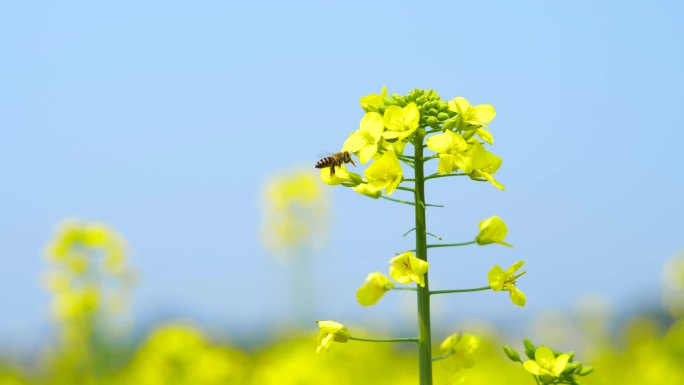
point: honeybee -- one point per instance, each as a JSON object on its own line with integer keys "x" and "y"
{"x": 335, "y": 160}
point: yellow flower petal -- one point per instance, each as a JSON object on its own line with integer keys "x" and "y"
{"x": 459, "y": 105}
{"x": 559, "y": 364}
{"x": 483, "y": 113}
{"x": 496, "y": 278}
{"x": 374, "y": 102}
{"x": 533, "y": 368}
{"x": 517, "y": 296}
{"x": 485, "y": 135}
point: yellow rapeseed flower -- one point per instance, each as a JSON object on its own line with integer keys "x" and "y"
{"x": 364, "y": 142}
{"x": 384, "y": 173}
{"x": 460, "y": 349}
{"x": 452, "y": 150}
{"x": 364, "y": 189}
{"x": 484, "y": 163}
{"x": 331, "y": 331}
{"x": 546, "y": 363}
{"x": 374, "y": 102}
{"x": 492, "y": 230}
{"x": 401, "y": 122}
{"x": 342, "y": 176}
{"x": 375, "y": 286}
{"x": 501, "y": 280}
{"x": 406, "y": 268}
{"x": 476, "y": 117}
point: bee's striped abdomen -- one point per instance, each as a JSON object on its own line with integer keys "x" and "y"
{"x": 325, "y": 162}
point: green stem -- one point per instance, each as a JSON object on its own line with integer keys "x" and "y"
{"x": 451, "y": 244}
{"x": 407, "y": 202}
{"x": 407, "y": 339}
{"x": 446, "y": 245}
{"x": 434, "y": 176}
{"x": 397, "y": 200}
{"x": 460, "y": 290}
{"x": 443, "y": 357}
{"x": 404, "y": 288}
{"x": 405, "y": 189}
{"x": 423, "y": 292}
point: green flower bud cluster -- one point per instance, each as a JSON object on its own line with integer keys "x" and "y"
{"x": 433, "y": 110}
{"x": 549, "y": 366}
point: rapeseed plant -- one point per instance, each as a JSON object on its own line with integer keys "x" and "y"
{"x": 90, "y": 280}
{"x": 450, "y": 129}
{"x": 294, "y": 226}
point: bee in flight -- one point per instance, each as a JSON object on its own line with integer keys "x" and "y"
{"x": 335, "y": 160}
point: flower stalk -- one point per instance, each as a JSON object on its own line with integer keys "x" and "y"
{"x": 423, "y": 292}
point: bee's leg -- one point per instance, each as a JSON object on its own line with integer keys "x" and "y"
{"x": 332, "y": 170}
{"x": 352, "y": 161}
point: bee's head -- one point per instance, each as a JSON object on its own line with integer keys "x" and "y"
{"x": 348, "y": 158}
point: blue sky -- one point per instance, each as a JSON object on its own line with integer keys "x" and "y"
{"x": 163, "y": 119}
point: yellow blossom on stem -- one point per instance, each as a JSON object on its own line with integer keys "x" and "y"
{"x": 459, "y": 349}
{"x": 452, "y": 150}
{"x": 364, "y": 142}
{"x": 484, "y": 164}
{"x": 492, "y": 230}
{"x": 342, "y": 176}
{"x": 471, "y": 116}
{"x": 406, "y": 268}
{"x": 401, "y": 122}
{"x": 384, "y": 173}
{"x": 364, "y": 189}
{"x": 546, "y": 363}
{"x": 374, "y": 102}
{"x": 331, "y": 331}
{"x": 500, "y": 280}
{"x": 375, "y": 286}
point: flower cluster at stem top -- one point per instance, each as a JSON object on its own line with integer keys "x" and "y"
{"x": 391, "y": 122}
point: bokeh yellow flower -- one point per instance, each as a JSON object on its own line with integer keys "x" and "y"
{"x": 295, "y": 213}
{"x": 460, "y": 349}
